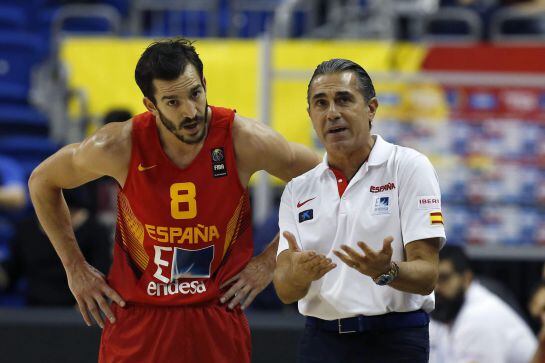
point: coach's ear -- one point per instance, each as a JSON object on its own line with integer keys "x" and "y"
{"x": 150, "y": 106}
{"x": 204, "y": 83}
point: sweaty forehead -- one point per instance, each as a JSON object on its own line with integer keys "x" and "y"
{"x": 187, "y": 80}
{"x": 334, "y": 82}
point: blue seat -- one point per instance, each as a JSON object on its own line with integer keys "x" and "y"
{"x": 27, "y": 147}
{"x": 12, "y": 17}
{"x": 19, "y": 52}
{"x": 22, "y": 119}
{"x": 29, "y": 151}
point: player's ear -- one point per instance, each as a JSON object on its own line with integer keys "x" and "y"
{"x": 150, "y": 106}
{"x": 204, "y": 83}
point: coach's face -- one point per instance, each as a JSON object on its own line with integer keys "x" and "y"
{"x": 340, "y": 115}
{"x": 181, "y": 105}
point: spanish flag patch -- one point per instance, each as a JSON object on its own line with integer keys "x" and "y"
{"x": 436, "y": 218}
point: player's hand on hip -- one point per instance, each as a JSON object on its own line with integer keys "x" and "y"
{"x": 306, "y": 266}
{"x": 91, "y": 291}
{"x": 245, "y": 285}
{"x": 371, "y": 263}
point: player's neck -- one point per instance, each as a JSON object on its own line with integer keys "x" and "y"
{"x": 179, "y": 152}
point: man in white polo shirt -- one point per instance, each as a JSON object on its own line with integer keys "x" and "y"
{"x": 361, "y": 233}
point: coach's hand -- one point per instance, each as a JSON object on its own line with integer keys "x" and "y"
{"x": 371, "y": 263}
{"x": 306, "y": 266}
{"x": 92, "y": 293}
{"x": 249, "y": 282}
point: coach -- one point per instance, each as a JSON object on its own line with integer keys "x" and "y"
{"x": 361, "y": 233}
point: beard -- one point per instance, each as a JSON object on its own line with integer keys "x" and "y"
{"x": 175, "y": 130}
{"x": 447, "y": 309}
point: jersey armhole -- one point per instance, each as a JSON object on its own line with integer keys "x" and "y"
{"x": 242, "y": 188}
{"x": 131, "y": 161}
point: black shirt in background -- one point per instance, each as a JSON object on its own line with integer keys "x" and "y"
{"x": 34, "y": 259}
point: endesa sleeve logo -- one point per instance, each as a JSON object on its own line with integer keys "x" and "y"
{"x": 429, "y": 202}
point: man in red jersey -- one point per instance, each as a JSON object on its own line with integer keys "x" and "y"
{"x": 183, "y": 253}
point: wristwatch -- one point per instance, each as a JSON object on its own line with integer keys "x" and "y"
{"x": 389, "y": 276}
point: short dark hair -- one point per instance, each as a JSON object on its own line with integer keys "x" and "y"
{"x": 165, "y": 59}
{"x": 456, "y": 255}
{"x": 338, "y": 65}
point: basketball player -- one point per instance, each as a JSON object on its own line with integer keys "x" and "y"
{"x": 183, "y": 252}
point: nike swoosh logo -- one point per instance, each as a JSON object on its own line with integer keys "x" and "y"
{"x": 143, "y": 168}
{"x": 299, "y": 204}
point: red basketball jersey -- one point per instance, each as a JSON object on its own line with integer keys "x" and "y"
{"x": 180, "y": 233}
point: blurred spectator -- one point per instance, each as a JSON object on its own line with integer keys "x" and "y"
{"x": 12, "y": 185}
{"x": 116, "y": 115}
{"x": 34, "y": 259}
{"x": 470, "y": 323}
{"x": 263, "y": 235}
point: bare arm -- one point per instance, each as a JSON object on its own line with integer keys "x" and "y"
{"x": 417, "y": 275}
{"x": 105, "y": 153}
{"x": 258, "y": 147}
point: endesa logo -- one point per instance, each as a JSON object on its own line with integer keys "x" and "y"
{"x": 176, "y": 287}
{"x": 382, "y": 188}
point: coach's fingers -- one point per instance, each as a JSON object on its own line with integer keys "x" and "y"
{"x": 387, "y": 246}
{"x": 354, "y": 255}
{"x": 83, "y": 310}
{"x": 95, "y": 312}
{"x": 292, "y": 243}
{"x": 313, "y": 262}
{"x": 366, "y": 249}
{"x": 326, "y": 269}
{"x": 103, "y": 304}
{"x": 113, "y": 295}
{"x": 345, "y": 258}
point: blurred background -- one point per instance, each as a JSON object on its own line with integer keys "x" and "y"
{"x": 462, "y": 81}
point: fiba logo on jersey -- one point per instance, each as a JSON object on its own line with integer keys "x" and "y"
{"x": 218, "y": 162}
{"x": 217, "y": 155}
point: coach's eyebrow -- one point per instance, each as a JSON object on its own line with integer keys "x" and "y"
{"x": 318, "y": 95}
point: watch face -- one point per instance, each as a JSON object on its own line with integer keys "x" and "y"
{"x": 384, "y": 279}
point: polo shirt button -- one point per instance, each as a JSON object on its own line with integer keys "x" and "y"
{"x": 340, "y": 180}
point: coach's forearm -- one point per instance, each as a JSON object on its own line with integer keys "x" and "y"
{"x": 54, "y": 217}
{"x": 416, "y": 277}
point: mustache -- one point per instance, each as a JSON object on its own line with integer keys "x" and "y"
{"x": 186, "y": 121}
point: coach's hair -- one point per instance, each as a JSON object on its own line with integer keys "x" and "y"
{"x": 338, "y": 65}
{"x": 165, "y": 59}
{"x": 457, "y": 256}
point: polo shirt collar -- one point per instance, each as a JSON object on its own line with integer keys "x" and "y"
{"x": 380, "y": 153}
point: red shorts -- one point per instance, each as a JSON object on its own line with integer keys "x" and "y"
{"x": 185, "y": 334}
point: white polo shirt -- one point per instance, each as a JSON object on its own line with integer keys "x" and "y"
{"x": 485, "y": 330}
{"x": 395, "y": 193}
